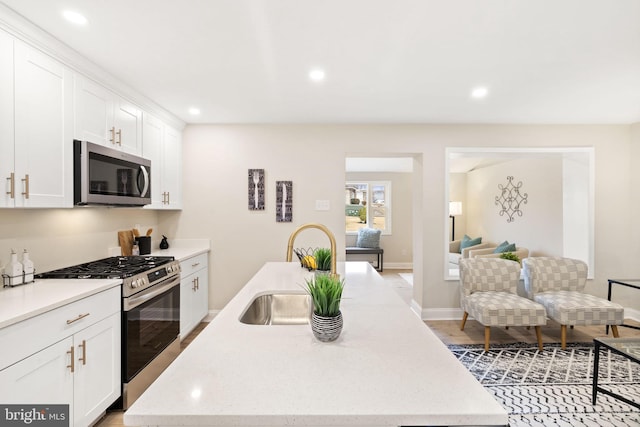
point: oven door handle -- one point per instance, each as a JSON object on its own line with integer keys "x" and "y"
{"x": 138, "y": 299}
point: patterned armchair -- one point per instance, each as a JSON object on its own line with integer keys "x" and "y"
{"x": 558, "y": 284}
{"x": 488, "y": 289}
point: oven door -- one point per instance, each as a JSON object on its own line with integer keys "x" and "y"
{"x": 151, "y": 321}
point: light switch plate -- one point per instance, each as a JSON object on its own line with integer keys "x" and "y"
{"x": 322, "y": 205}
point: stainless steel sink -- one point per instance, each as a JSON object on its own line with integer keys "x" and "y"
{"x": 278, "y": 309}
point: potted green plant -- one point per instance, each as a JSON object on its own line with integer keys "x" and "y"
{"x": 510, "y": 256}
{"x": 326, "y": 294}
{"x": 323, "y": 260}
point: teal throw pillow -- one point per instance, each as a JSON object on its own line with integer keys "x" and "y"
{"x": 468, "y": 242}
{"x": 500, "y": 248}
{"x": 368, "y": 238}
{"x": 507, "y": 248}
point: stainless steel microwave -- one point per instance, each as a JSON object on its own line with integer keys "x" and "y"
{"x": 104, "y": 176}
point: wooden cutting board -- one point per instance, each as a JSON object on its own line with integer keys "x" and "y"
{"x": 125, "y": 239}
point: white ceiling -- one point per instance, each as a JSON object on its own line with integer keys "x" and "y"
{"x": 401, "y": 61}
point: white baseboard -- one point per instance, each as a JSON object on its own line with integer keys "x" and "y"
{"x": 633, "y": 314}
{"x": 398, "y": 266}
{"x": 209, "y": 317}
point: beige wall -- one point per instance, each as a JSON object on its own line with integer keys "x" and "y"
{"x": 312, "y": 156}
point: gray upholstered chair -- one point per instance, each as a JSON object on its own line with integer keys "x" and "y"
{"x": 558, "y": 284}
{"x": 488, "y": 292}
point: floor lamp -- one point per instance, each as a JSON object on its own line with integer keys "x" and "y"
{"x": 455, "y": 209}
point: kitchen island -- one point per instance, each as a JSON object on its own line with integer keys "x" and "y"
{"x": 386, "y": 369}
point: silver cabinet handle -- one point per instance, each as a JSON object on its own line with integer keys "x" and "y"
{"x": 113, "y": 134}
{"x": 195, "y": 265}
{"x": 12, "y": 185}
{"x": 119, "y": 133}
{"x": 80, "y": 316}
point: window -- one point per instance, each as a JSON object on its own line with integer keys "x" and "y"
{"x": 368, "y": 204}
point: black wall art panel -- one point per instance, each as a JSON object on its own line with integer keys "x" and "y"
{"x": 256, "y": 189}
{"x": 284, "y": 201}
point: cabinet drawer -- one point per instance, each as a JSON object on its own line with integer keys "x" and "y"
{"x": 32, "y": 335}
{"x": 191, "y": 265}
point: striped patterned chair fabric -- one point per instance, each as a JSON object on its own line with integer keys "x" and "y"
{"x": 558, "y": 284}
{"x": 488, "y": 292}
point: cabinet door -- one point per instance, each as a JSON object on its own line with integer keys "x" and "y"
{"x": 172, "y": 168}
{"x": 43, "y": 130}
{"x": 97, "y": 377}
{"x": 186, "y": 302}
{"x": 152, "y": 133}
{"x": 93, "y": 116}
{"x": 128, "y": 122}
{"x": 42, "y": 378}
{"x": 6, "y": 118}
{"x": 201, "y": 300}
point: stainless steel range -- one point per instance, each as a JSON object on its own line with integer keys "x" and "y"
{"x": 150, "y": 314}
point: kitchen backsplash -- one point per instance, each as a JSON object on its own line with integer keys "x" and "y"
{"x": 57, "y": 238}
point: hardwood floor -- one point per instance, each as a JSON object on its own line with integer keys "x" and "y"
{"x": 449, "y": 332}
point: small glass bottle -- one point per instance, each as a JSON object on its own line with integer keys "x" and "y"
{"x": 135, "y": 250}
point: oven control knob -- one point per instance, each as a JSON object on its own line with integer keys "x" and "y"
{"x": 132, "y": 284}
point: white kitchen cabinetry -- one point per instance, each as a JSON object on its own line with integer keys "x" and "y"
{"x": 77, "y": 361}
{"x": 102, "y": 117}
{"x": 37, "y": 125}
{"x": 6, "y": 117}
{"x": 163, "y": 146}
{"x": 194, "y": 292}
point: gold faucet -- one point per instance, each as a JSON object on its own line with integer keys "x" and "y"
{"x": 326, "y": 231}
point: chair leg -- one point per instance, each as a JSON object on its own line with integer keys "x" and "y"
{"x": 614, "y": 330}
{"x": 563, "y": 336}
{"x": 487, "y": 335}
{"x": 464, "y": 320}
{"x": 539, "y": 336}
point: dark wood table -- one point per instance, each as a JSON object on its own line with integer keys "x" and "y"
{"x": 628, "y": 348}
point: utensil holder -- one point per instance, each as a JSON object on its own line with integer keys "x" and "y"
{"x": 144, "y": 243}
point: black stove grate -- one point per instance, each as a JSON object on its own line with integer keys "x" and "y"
{"x": 108, "y": 268}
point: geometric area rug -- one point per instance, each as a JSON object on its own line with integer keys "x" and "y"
{"x": 553, "y": 387}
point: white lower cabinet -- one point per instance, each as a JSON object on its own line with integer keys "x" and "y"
{"x": 97, "y": 376}
{"x": 81, "y": 369}
{"x": 194, "y": 292}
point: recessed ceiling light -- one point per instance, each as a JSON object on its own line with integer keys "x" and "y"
{"x": 74, "y": 17}
{"x": 479, "y": 92}
{"x": 194, "y": 111}
{"x": 317, "y": 75}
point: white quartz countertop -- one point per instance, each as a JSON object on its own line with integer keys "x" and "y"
{"x": 182, "y": 249}
{"x": 387, "y": 368}
{"x": 25, "y": 301}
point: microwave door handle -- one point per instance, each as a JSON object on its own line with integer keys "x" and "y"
{"x": 145, "y": 174}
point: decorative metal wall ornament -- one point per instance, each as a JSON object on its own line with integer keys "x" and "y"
{"x": 256, "y": 189}
{"x": 510, "y": 199}
{"x": 284, "y": 201}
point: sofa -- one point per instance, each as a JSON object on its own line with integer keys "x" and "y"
{"x": 455, "y": 254}
{"x": 522, "y": 253}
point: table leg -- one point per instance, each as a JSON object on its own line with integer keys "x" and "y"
{"x": 596, "y": 368}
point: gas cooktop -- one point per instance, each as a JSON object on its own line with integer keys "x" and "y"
{"x": 119, "y": 267}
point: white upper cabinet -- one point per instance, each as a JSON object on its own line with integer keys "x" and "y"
{"x": 172, "y": 165}
{"x": 43, "y": 149}
{"x": 163, "y": 146}
{"x": 6, "y": 119}
{"x": 102, "y": 117}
